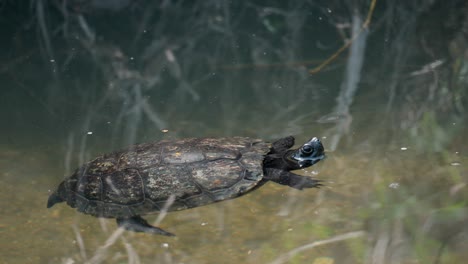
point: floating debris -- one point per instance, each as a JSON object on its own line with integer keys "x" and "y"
{"x": 330, "y": 118}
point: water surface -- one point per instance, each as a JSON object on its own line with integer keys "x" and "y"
{"x": 390, "y": 110}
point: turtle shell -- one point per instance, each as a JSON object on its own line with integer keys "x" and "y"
{"x": 139, "y": 180}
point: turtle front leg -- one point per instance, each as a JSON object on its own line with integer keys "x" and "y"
{"x": 283, "y": 144}
{"x": 290, "y": 179}
{"x": 138, "y": 224}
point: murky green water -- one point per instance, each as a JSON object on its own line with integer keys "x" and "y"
{"x": 390, "y": 111}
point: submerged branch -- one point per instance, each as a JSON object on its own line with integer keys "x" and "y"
{"x": 287, "y": 256}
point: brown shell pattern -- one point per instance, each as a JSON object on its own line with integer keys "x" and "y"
{"x": 140, "y": 179}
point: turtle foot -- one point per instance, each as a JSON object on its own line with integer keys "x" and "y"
{"x": 290, "y": 179}
{"x": 301, "y": 182}
{"x": 138, "y": 224}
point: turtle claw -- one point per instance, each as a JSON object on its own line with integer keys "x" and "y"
{"x": 138, "y": 224}
{"x": 304, "y": 182}
{"x": 292, "y": 180}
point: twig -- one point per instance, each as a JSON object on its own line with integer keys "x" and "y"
{"x": 285, "y": 257}
{"x": 102, "y": 250}
{"x": 165, "y": 209}
{"x": 79, "y": 240}
{"x": 365, "y": 26}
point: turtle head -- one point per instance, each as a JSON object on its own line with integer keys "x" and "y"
{"x": 307, "y": 155}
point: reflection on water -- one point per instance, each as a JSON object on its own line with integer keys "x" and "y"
{"x": 395, "y": 178}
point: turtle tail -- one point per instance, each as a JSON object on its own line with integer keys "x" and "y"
{"x": 53, "y": 199}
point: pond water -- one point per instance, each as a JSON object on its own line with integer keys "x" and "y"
{"x": 390, "y": 111}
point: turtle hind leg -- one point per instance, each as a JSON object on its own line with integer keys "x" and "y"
{"x": 138, "y": 224}
{"x": 53, "y": 199}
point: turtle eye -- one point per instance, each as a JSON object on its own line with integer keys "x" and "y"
{"x": 307, "y": 149}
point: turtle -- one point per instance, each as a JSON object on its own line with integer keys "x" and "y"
{"x": 140, "y": 180}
